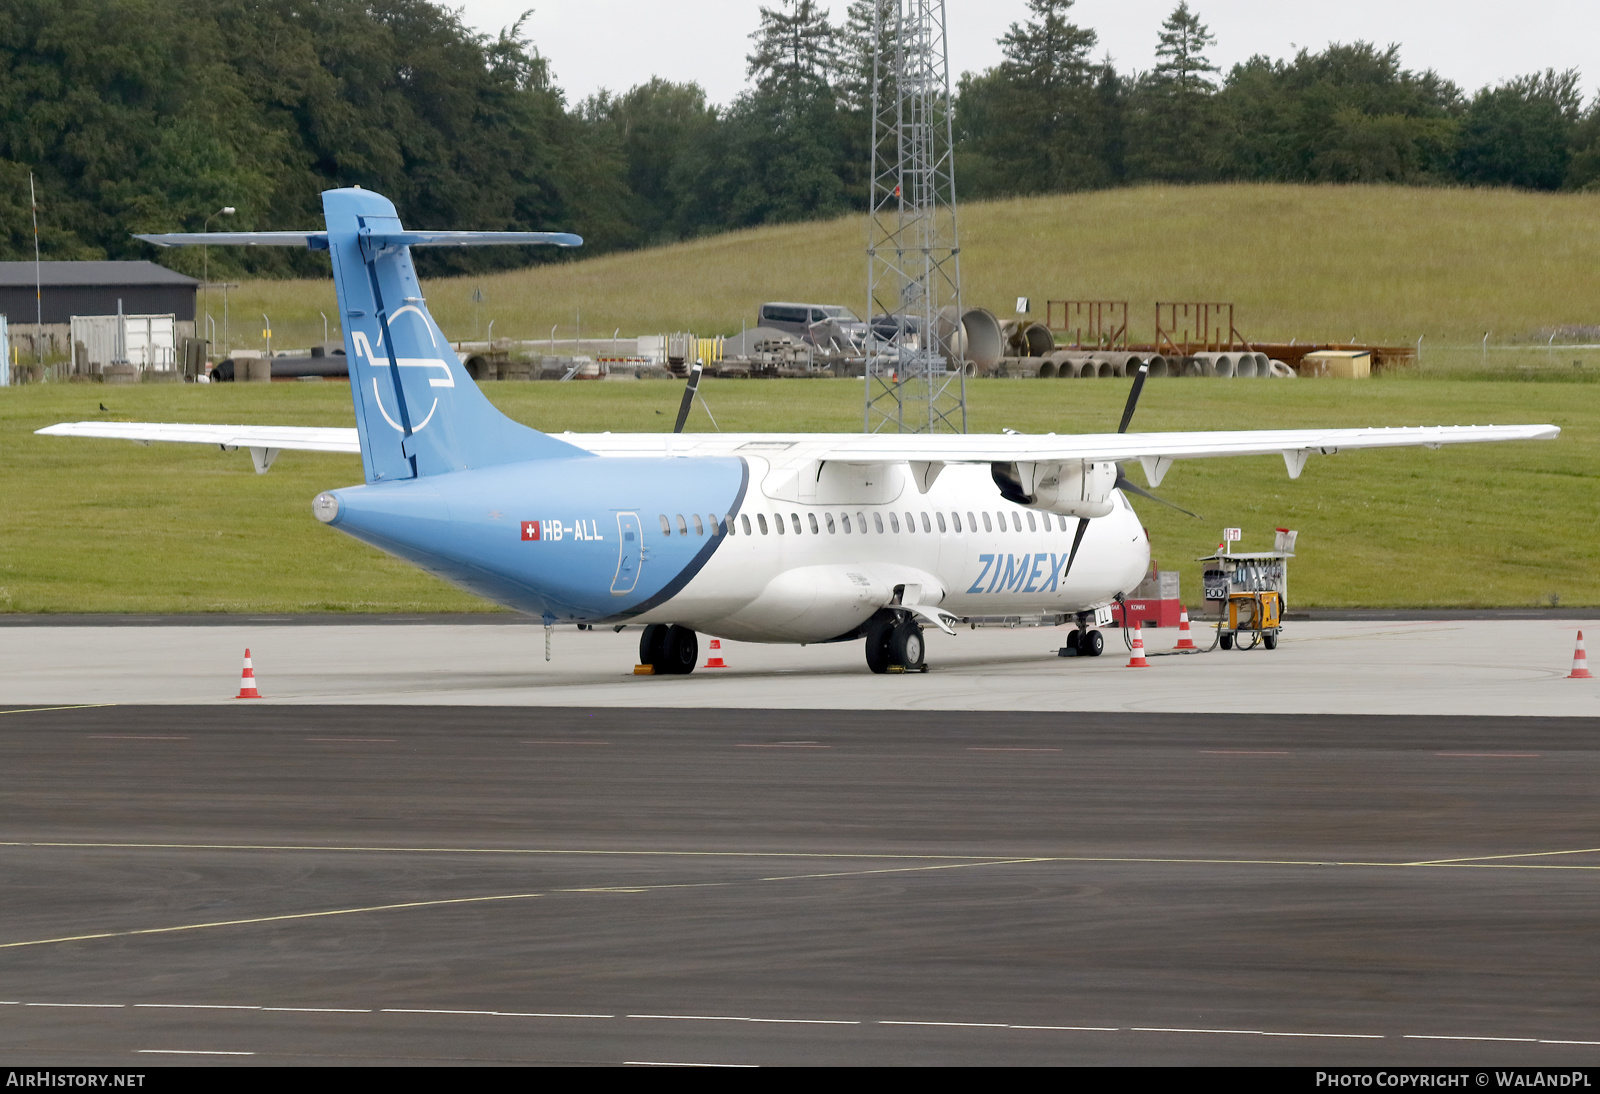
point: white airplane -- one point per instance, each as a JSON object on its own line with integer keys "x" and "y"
{"x": 797, "y": 538}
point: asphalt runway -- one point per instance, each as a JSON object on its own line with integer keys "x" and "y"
{"x": 406, "y": 884}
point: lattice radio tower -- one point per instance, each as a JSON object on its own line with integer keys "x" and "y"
{"x": 915, "y": 379}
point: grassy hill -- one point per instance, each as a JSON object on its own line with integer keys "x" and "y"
{"x": 1380, "y": 264}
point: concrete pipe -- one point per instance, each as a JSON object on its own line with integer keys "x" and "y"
{"x": 1067, "y": 366}
{"x": 1263, "y": 365}
{"x": 1038, "y": 340}
{"x": 1222, "y": 365}
{"x": 984, "y": 346}
{"x": 1281, "y": 371}
{"x": 1195, "y": 366}
{"x": 1158, "y": 366}
{"x": 1245, "y": 367}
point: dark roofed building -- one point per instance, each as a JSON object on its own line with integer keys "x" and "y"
{"x": 93, "y": 288}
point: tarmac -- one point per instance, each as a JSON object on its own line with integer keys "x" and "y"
{"x": 1375, "y": 845}
{"x": 1457, "y": 667}
{"x": 247, "y": 883}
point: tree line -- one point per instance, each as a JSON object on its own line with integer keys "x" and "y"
{"x": 151, "y": 115}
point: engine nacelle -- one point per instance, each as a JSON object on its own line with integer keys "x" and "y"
{"x": 1077, "y": 488}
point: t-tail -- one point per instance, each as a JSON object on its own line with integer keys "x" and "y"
{"x": 418, "y": 413}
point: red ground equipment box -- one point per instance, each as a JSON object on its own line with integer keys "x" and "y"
{"x": 1155, "y": 603}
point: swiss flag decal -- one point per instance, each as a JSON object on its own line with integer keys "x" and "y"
{"x": 530, "y": 529}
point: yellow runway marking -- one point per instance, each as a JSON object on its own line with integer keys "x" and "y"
{"x": 74, "y": 706}
{"x": 1495, "y": 858}
{"x": 267, "y": 919}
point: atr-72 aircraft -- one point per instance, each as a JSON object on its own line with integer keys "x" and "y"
{"x": 798, "y": 537}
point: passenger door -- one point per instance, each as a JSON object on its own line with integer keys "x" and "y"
{"x": 630, "y": 539}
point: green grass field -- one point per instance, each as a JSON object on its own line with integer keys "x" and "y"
{"x": 107, "y": 526}
{"x": 1316, "y": 263}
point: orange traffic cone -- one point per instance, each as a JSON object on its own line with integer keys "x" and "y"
{"x": 1580, "y": 662}
{"x": 247, "y": 680}
{"x": 1184, "y": 641}
{"x": 715, "y": 660}
{"x": 1138, "y": 661}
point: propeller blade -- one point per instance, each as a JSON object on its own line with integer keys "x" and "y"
{"x": 1125, "y": 483}
{"x": 1133, "y": 395}
{"x": 1077, "y": 538}
{"x": 688, "y": 396}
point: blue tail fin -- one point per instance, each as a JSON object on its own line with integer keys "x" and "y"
{"x": 417, "y": 411}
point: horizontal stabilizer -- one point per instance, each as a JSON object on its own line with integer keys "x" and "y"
{"x": 318, "y": 241}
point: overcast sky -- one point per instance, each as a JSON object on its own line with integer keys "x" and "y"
{"x": 615, "y": 44}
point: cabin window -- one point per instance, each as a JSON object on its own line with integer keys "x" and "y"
{"x": 683, "y": 529}
{"x": 761, "y": 522}
{"x": 877, "y": 522}
{"x": 745, "y": 520}
{"x": 956, "y": 518}
{"x": 796, "y": 518}
{"x": 1062, "y": 518}
{"x": 1001, "y": 517}
{"x": 942, "y": 527}
{"x": 829, "y": 518}
{"x": 861, "y": 522}
{"x": 666, "y": 526}
{"x": 844, "y": 520}
{"x": 812, "y": 517}
{"x": 1032, "y": 527}
{"x": 1016, "y": 521}
{"x": 972, "y": 521}
{"x": 699, "y": 529}
{"x": 987, "y": 527}
{"x": 894, "y": 523}
{"x": 926, "y": 526}
{"x": 911, "y": 522}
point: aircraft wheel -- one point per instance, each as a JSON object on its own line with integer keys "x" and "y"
{"x": 1073, "y": 638}
{"x": 1270, "y": 641}
{"x": 1092, "y": 644}
{"x": 878, "y": 647}
{"x": 1226, "y": 641}
{"x": 680, "y": 652}
{"x": 905, "y": 644}
{"x": 651, "y": 643}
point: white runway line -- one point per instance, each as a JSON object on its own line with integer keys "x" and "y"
{"x": 752, "y": 1020}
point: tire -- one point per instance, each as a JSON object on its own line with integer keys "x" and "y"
{"x": 878, "y": 647}
{"x": 1226, "y": 641}
{"x": 680, "y": 652}
{"x": 1270, "y": 641}
{"x": 651, "y": 643}
{"x": 905, "y": 644}
{"x": 1073, "y": 638}
{"x": 1092, "y": 644}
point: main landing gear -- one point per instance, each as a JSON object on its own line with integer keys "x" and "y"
{"x": 1084, "y": 644}
{"x": 670, "y": 650}
{"x": 895, "y": 645}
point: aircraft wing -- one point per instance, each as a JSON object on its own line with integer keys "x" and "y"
{"x": 280, "y": 437}
{"x": 1155, "y": 451}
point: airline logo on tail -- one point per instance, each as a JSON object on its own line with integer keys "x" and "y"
{"x": 364, "y": 349}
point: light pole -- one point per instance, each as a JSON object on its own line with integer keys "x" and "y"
{"x": 205, "y": 270}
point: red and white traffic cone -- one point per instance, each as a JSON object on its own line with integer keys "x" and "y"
{"x": 1184, "y": 641}
{"x": 247, "y": 680}
{"x": 1138, "y": 661}
{"x": 715, "y": 661}
{"x": 1580, "y": 662}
